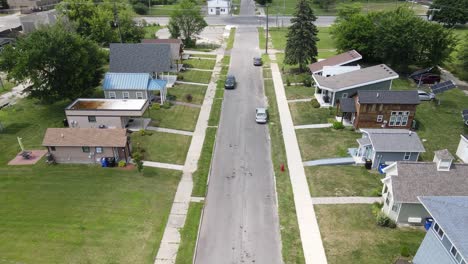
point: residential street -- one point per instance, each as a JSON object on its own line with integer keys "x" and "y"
{"x": 240, "y": 222}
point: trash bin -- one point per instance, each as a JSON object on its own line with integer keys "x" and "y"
{"x": 428, "y": 223}
{"x": 368, "y": 164}
{"x": 381, "y": 167}
{"x": 110, "y": 162}
{"x": 65, "y": 122}
{"x": 103, "y": 162}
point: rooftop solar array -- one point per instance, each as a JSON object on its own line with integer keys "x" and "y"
{"x": 442, "y": 87}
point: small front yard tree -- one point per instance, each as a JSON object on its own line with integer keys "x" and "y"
{"x": 60, "y": 64}
{"x": 462, "y": 57}
{"x": 449, "y": 12}
{"x": 186, "y": 22}
{"x": 301, "y": 44}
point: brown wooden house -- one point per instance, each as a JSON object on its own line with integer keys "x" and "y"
{"x": 380, "y": 109}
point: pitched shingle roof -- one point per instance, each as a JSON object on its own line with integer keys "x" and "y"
{"x": 340, "y": 59}
{"x": 423, "y": 179}
{"x": 388, "y": 97}
{"x": 131, "y": 81}
{"x": 451, "y": 213}
{"x": 394, "y": 140}
{"x": 140, "y": 58}
{"x": 357, "y": 78}
{"x": 88, "y": 137}
{"x": 162, "y": 41}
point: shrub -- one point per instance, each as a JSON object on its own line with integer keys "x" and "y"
{"x": 376, "y": 208}
{"x": 188, "y": 97}
{"x": 377, "y": 191}
{"x": 307, "y": 81}
{"x": 140, "y": 8}
{"x": 180, "y": 77}
{"x": 155, "y": 107}
{"x": 315, "y": 103}
{"x": 122, "y": 164}
{"x": 166, "y": 105}
{"x": 337, "y": 125}
{"x": 385, "y": 221}
{"x": 288, "y": 82}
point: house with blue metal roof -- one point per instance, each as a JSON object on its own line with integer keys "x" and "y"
{"x": 446, "y": 240}
{"x": 133, "y": 86}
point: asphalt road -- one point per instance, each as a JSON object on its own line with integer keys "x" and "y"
{"x": 240, "y": 222}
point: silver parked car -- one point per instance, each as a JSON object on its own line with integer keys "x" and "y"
{"x": 425, "y": 96}
{"x": 261, "y": 115}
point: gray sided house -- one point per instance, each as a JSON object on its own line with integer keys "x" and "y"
{"x": 141, "y": 58}
{"x": 329, "y": 90}
{"x": 388, "y": 145}
{"x": 105, "y": 113}
{"x": 87, "y": 145}
{"x": 405, "y": 181}
{"x": 446, "y": 241}
{"x": 133, "y": 86}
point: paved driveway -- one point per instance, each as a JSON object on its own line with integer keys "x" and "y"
{"x": 240, "y": 223}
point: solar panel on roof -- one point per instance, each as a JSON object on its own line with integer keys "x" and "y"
{"x": 442, "y": 87}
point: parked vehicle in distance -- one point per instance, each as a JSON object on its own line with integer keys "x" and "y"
{"x": 257, "y": 61}
{"x": 261, "y": 115}
{"x": 426, "y": 78}
{"x": 425, "y": 96}
{"x": 230, "y": 82}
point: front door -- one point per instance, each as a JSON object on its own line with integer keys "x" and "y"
{"x": 217, "y": 11}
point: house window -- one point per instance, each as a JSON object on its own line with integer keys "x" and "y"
{"x": 139, "y": 95}
{"x": 395, "y": 208}
{"x": 385, "y": 190}
{"x": 453, "y": 251}
{"x": 98, "y": 149}
{"x": 387, "y": 201}
{"x": 407, "y": 156}
{"x": 439, "y": 230}
{"x": 126, "y": 95}
{"x": 112, "y": 95}
{"x": 85, "y": 149}
{"x": 92, "y": 119}
{"x": 379, "y": 118}
{"x": 52, "y": 148}
{"x": 344, "y": 95}
{"x": 399, "y": 118}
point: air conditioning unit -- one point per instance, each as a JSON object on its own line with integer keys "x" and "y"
{"x": 414, "y": 220}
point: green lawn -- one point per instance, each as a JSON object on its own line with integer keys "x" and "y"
{"x": 188, "y": 234}
{"x": 200, "y": 176}
{"x": 200, "y": 64}
{"x": 83, "y": 214}
{"x": 230, "y": 40}
{"x": 303, "y": 113}
{"x": 150, "y": 31}
{"x": 320, "y": 143}
{"x": 261, "y": 37}
{"x": 7, "y": 86}
{"x": 215, "y": 114}
{"x": 162, "y": 147}
{"x": 180, "y": 91}
{"x": 299, "y": 92}
{"x": 343, "y": 181}
{"x": 278, "y": 38}
{"x": 177, "y": 117}
{"x": 350, "y": 235}
{"x": 195, "y": 76}
{"x": 290, "y": 239}
{"x": 203, "y": 56}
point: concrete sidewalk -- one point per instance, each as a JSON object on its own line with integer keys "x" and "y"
{"x": 314, "y": 126}
{"x": 194, "y": 83}
{"x": 346, "y": 200}
{"x": 330, "y": 161}
{"x": 308, "y": 226}
{"x": 168, "y": 130}
{"x": 170, "y": 242}
{"x": 161, "y": 165}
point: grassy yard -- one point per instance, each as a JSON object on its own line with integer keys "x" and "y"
{"x": 177, "y": 117}
{"x": 230, "y": 40}
{"x": 7, "y": 86}
{"x": 303, "y": 113}
{"x": 150, "y": 31}
{"x": 299, "y": 92}
{"x": 180, "y": 91}
{"x": 343, "y": 181}
{"x": 320, "y": 143}
{"x": 83, "y": 214}
{"x": 188, "y": 234}
{"x": 261, "y": 37}
{"x": 200, "y": 64}
{"x": 162, "y": 147}
{"x": 278, "y": 38}
{"x": 200, "y": 176}
{"x": 203, "y": 56}
{"x": 350, "y": 235}
{"x": 291, "y": 242}
{"x": 195, "y": 76}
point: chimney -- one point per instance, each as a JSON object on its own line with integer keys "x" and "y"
{"x": 443, "y": 160}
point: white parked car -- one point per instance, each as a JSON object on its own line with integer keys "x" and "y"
{"x": 425, "y": 96}
{"x": 261, "y": 115}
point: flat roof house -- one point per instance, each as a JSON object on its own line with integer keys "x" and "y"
{"x": 387, "y": 145}
{"x": 105, "y": 113}
{"x": 87, "y": 145}
{"x": 344, "y": 59}
{"x": 380, "y": 109}
{"x": 219, "y": 7}
{"x": 406, "y": 181}
{"x": 329, "y": 90}
{"x": 133, "y": 86}
{"x": 446, "y": 241}
{"x": 141, "y": 58}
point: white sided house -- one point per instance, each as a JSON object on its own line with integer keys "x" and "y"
{"x": 406, "y": 181}
{"x": 219, "y": 7}
{"x": 462, "y": 150}
{"x": 106, "y": 113}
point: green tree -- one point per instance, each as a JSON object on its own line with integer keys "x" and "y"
{"x": 301, "y": 43}
{"x": 60, "y": 64}
{"x": 451, "y": 11}
{"x": 186, "y": 21}
{"x": 4, "y": 4}
{"x": 325, "y": 4}
{"x": 140, "y": 8}
{"x": 462, "y": 57}
{"x": 346, "y": 10}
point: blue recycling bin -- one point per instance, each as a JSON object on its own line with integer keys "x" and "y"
{"x": 428, "y": 223}
{"x": 103, "y": 162}
{"x": 381, "y": 167}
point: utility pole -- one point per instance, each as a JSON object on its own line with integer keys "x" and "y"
{"x": 116, "y": 21}
{"x": 266, "y": 32}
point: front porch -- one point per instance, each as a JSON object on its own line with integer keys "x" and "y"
{"x": 364, "y": 152}
{"x": 137, "y": 124}
{"x": 324, "y": 97}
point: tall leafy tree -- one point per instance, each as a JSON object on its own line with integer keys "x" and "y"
{"x": 301, "y": 44}
{"x": 451, "y": 12}
{"x": 186, "y": 22}
{"x": 59, "y": 63}
{"x": 346, "y": 10}
{"x": 462, "y": 58}
{"x": 4, "y": 4}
